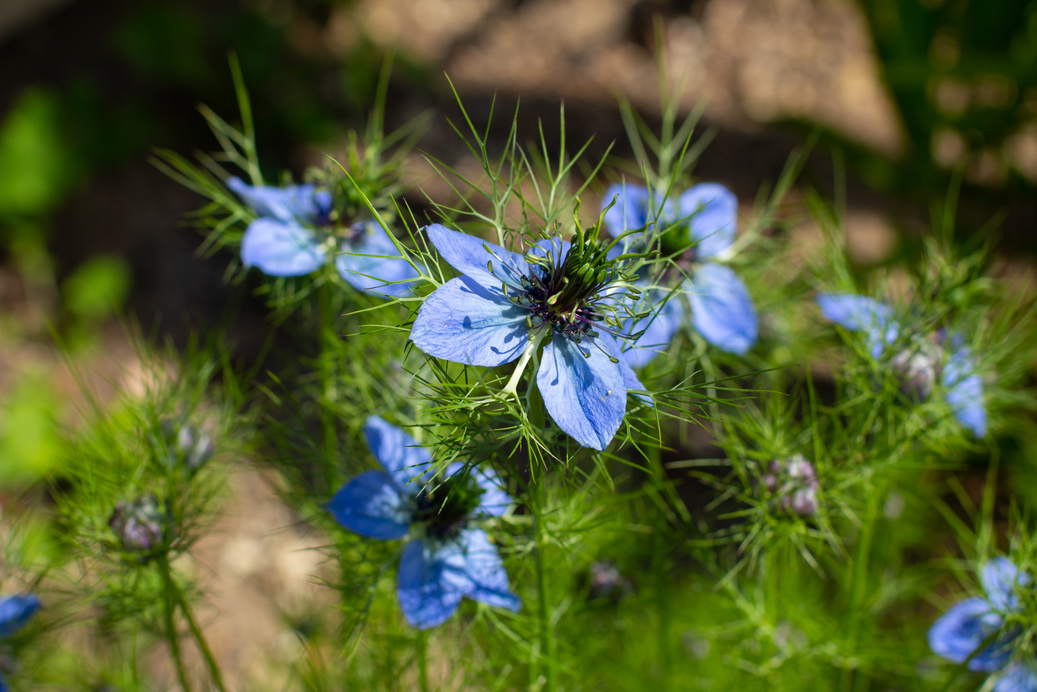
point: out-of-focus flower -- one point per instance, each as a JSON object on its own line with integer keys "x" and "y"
{"x": 921, "y": 361}
{"x": 296, "y": 234}
{"x": 606, "y": 581}
{"x": 15, "y": 611}
{"x": 504, "y": 304}
{"x": 693, "y": 231}
{"x": 973, "y": 629}
{"x": 793, "y": 483}
{"x": 141, "y": 526}
{"x": 446, "y": 559}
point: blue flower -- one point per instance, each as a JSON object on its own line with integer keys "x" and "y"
{"x": 973, "y": 629}
{"x": 695, "y": 230}
{"x": 295, "y": 232}
{"x": 504, "y": 304}
{"x": 922, "y": 362}
{"x": 445, "y": 559}
{"x": 15, "y": 611}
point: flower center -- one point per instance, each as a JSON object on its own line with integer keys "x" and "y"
{"x": 575, "y": 290}
{"x": 444, "y": 509}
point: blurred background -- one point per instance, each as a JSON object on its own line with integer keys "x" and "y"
{"x": 906, "y": 95}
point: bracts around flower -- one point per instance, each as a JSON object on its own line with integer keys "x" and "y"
{"x": 571, "y": 299}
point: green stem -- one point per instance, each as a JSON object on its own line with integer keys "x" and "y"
{"x": 547, "y": 639}
{"x": 203, "y": 646}
{"x": 660, "y": 573}
{"x": 423, "y": 661}
{"x": 170, "y": 618}
{"x": 327, "y": 349}
{"x": 858, "y": 583}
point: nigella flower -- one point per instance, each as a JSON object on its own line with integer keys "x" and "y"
{"x": 446, "y": 558}
{"x": 504, "y": 304}
{"x": 973, "y": 629}
{"x": 15, "y": 611}
{"x": 296, "y": 231}
{"x": 693, "y": 231}
{"x": 921, "y": 362}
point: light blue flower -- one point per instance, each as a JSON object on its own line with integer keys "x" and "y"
{"x": 696, "y": 229}
{"x": 446, "y": 559}
{"x": 973, "y": 629}
{"x": 294, "y": 235}
{"x": 922, "y": 362}
{"x": 15, "y": 611}
{"x": 505, "y": 303}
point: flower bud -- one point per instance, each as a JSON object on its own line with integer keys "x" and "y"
{"x": 140, "y": 525}
{"x": 190, "y": 446}
{"x": 793, "y": 481}
{"x": 918, "y": 369}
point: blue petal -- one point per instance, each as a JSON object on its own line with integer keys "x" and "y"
{"x": 15, "y": 611}
{"x": 281, "y": 249}
{"x": 721, "y": 309}
{"x": 474, "y": 256}
{"x": 630, "y": 212}
{"x": 495, "y": 500}
{"x": 371, "y": 505}
{"x": 965, "y": 391}
{"x": 583, "y": 391}
{"x": 962, "y": 629}
{"x": 480, "y": 572}
{"x": 1001, "y": 581}
{"x": 427, "y": 596}
{"x": 295, "y": 202}
{"x": 466, "y": 323}
{"x": 630, "y": 379}
{"x": 405, "y": 460}
{"x": 3, "y": 684}
{"x": 860, "y": 313}
{"x": 372, "y": 263}
{"x": 659, "y": 328}
{"x": 712, "y": 213}
{"x": 1021, "y": 676}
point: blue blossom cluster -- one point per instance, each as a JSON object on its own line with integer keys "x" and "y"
{"x": 297, "y": 231}
{"x": 447, "y": 556}
{"x": 973, "y": 631}
{"x": 919, "y": 360}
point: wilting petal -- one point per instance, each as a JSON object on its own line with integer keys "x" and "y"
{"x": 860, "y": 313}
{"x": 631, "y": 210}
{"x": 712, "y": 213}
{"x": 1021, "y": 676}
{"x": 371, "y": 505}
{"x": 404, "y": 459}
{"x": 464, "y": 322}
{"x": 281, "y": 249}
{"x": 962, "y": 629}
{"x": 474, "y": 256}
{"x": 1001, "y": 581}
{"x": 965, "y": 390}
{"x": 295, "y": 202}
{"x": 15, "y": 611}
{"x": 427, "y": 594}
{"x": 659, "y": 328}
{"x": 373, "y": 263}
{"x": 721, "y": 309}
{"x": 583, "y": 391}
